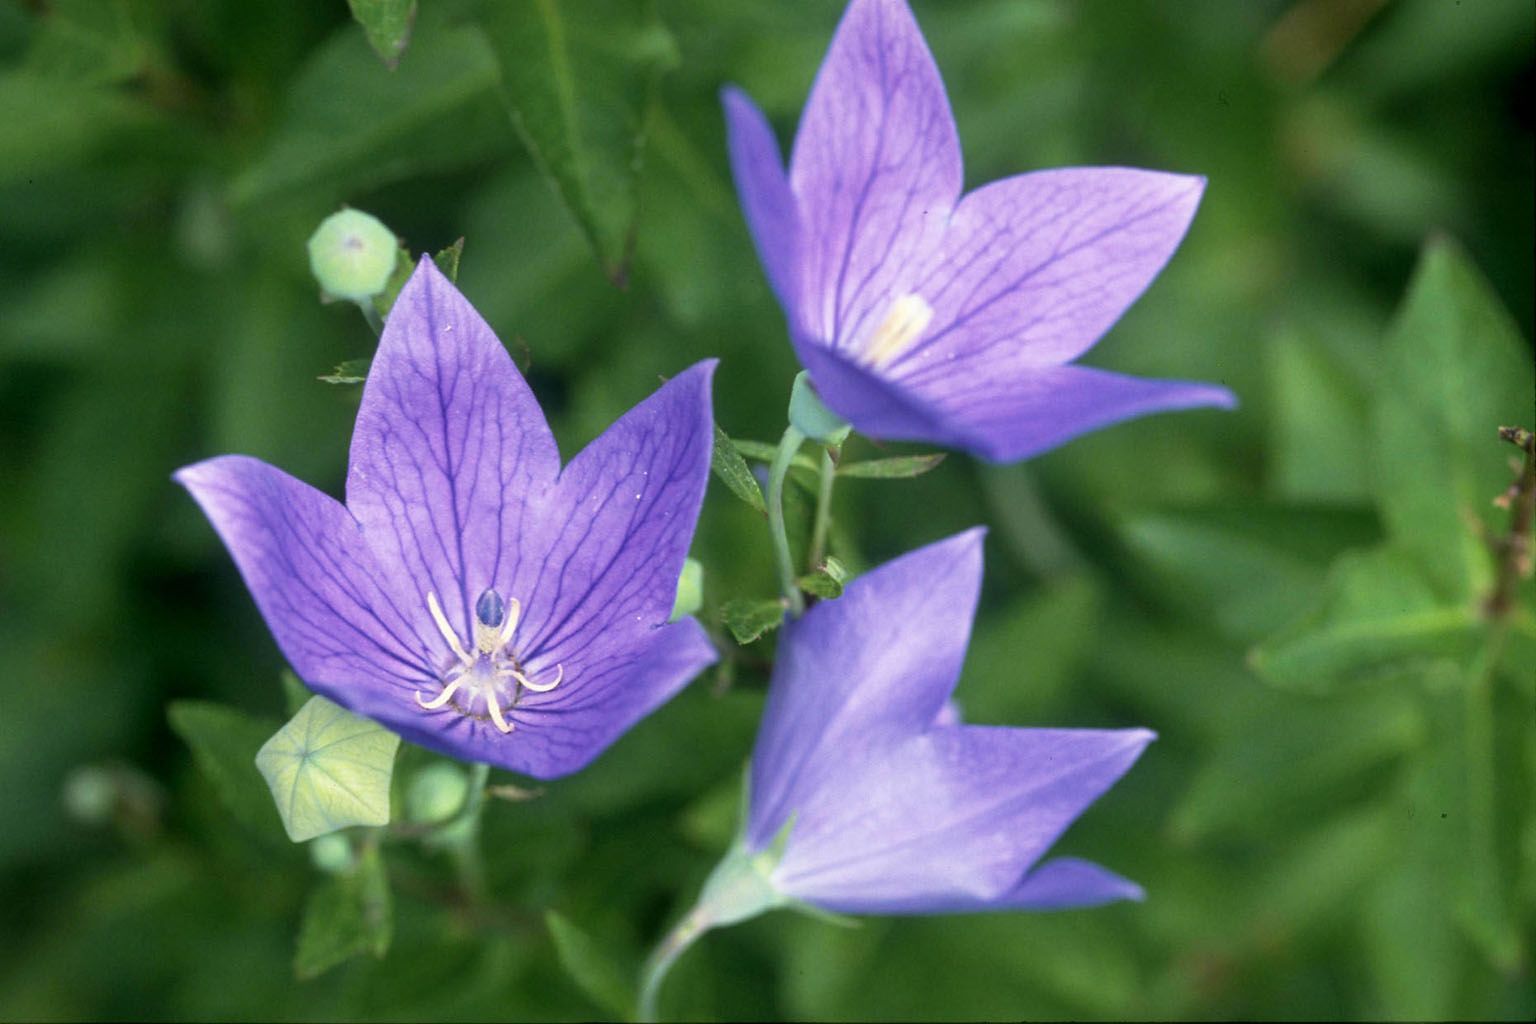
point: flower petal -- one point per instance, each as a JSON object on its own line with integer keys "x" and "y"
{"x": 879, "y": 661}
{"x": 556, "y": 738}
{"x": 876, "y": 170}
{"x": 337, "y": 616}
{"x": 450, "y": 449}
{"x": 616, "y": 531}
{"x": 1006, "y": 420}
{"x": 1062, "y": 883}
{"x": 1034, "y": 269}
{"x": 951, "y": 818}
{"x": 766, "y": 200}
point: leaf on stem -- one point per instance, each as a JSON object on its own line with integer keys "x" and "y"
{"x": 900, "y": 467}
{"x": 387, "y": 24}
{"x": 593, "y": 970}
{"x": 731, "y": 468}
{"x": 224, "y": 742}
{"x": 749, "y": 618}
{"x": 348, "y": 914}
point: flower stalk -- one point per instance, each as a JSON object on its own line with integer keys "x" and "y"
{"x": 784, "y": 561}
{"x": 823, "y": 524}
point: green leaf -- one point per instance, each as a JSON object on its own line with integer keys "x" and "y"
{"x": 1454, "y": 370}
{"x": 898, "y": 468}
{"x": 749, "y": 618}
{"x": 87, "y": 41}
{"x": 447, "y": 260}
{"x": 581, "y": 91}
{"x": 351, "y": 371}
{"x": 350, "y": 124}
{"x": 606, "y": 983}
{"x": 732, "y": 470}
{"x": 760, "y": 451}
{"x": 1023, "y": 658}
{"x": 387, "y": 23}
{"x": 1378, "y": 615}
{"x": 224, "y": 743}
{"x": 1206, "y": 560}
{"x": 827, "y": 581}
{"x": 348, "y": 914}
{"x": 1321, "y": 424}
{"x": 329, "y": 769}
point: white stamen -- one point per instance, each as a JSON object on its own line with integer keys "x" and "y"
{"x": 447, "y": 630}
{"x": 529, "y": 684}
{"x": 514, "y": 610}
{"x": 903, "y": 325}
{"x": 496, "y": 716}
{"x": 444, "y": 697}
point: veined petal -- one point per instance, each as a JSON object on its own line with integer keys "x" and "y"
{"x": 557, "y": 737}
{"x": 953, "y": 817}
{"x": 1034, "y": 269}
{"x": 880, "y": 661}
{"x": 1009, "y": 419}
{"x": 876, "y": 171}
{"x": 766, "y": 200}
{"x": 1063, "y": 883}
{"x": 450, "y": 449}
{"x": 337, "y": 616}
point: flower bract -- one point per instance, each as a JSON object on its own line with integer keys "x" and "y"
{"x": 926, "y": 315}
{"x": 471, "y": 594}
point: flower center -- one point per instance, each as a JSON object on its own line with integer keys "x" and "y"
{"x": 903, "y": 325}
{"x": 491, "y": 674}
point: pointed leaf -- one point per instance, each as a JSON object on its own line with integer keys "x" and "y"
{"x": 581, "y": 91}
{"x": 592, "y": 968}
{"x": 447, "y": 260}
{"x": 352, "y": 371}
{"x": 1455, "y": 370}
{"x": 900, "y": 467}
{"x": 732, "y": 470}
{"x": 224, "y": 742}
{"x": 348, "y": 914}
{"x": 329, "y": 769}
{"x": 748, "y": 619}
{"x": 827, "y": 581}
{"x": 1378, "y": 615}
{"x": 387, "y": 23}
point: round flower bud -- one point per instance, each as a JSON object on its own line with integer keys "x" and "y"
{"x": 435, "y": 793}
{"x": 331, "y": 853}
{"x": 352, "y": 255}
{"x": 811, "y": 416}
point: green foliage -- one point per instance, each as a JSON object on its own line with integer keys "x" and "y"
{"x": 900, "y": 467}
{"x": 349, "y": 913}
{"x": 328, "y": 769}
{"x": 827, "y": 581}
{"x": 594, "y": 970}
{"x": 731, "y": 469}
{"x": 581, "y": 92}
{"x": 387, "y": 23}
{"x": 749, "y": 618}
{"x": 225, "y": 742}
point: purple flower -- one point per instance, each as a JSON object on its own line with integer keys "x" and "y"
{"x": 877, "y": 801}
{"x": 927, "y": 316}
{"x": 471, "y": 594}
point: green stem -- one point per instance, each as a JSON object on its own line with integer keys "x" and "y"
{"x": 660, "y": 962}
{"x": 461, "y": 837}
{"x": 823, "y": 511}
{"x": 371, "y": 314}
{"x": 783, "y": 559}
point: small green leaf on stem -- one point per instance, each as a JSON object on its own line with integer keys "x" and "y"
{"x": 732, "y": 470}
{"x": 827, "y": 581}
{"x": 749, "y": 618}
{"x": 352, "y": 371}
{"x": 224, "y": 742}
{"x": 900, "y": 467}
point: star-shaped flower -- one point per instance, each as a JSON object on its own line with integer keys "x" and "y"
{"x": 875, "y": 799}
{"x": 927, "y": 316}
{"x": 471, "y": 594}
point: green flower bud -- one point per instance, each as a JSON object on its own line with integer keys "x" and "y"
{"x": 690, "y": 590}
{"x": 331, "y": 853}
{"x": 352, "y": 255}
{"x": 435, "y": 793}
{"x": 90, "y": 795}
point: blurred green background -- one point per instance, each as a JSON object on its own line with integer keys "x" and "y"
{"x": 1322, "y": 835}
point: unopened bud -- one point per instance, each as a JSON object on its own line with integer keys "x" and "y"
{"x": 435, "y": 793}
{"x": 690, "y": 590}
{"x": 352, "y": 255}
{"x": 812, "y": 417}
{"x": 331, "y": 853}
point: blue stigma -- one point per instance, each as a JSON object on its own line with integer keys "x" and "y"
{"x": 490, "y": 609}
